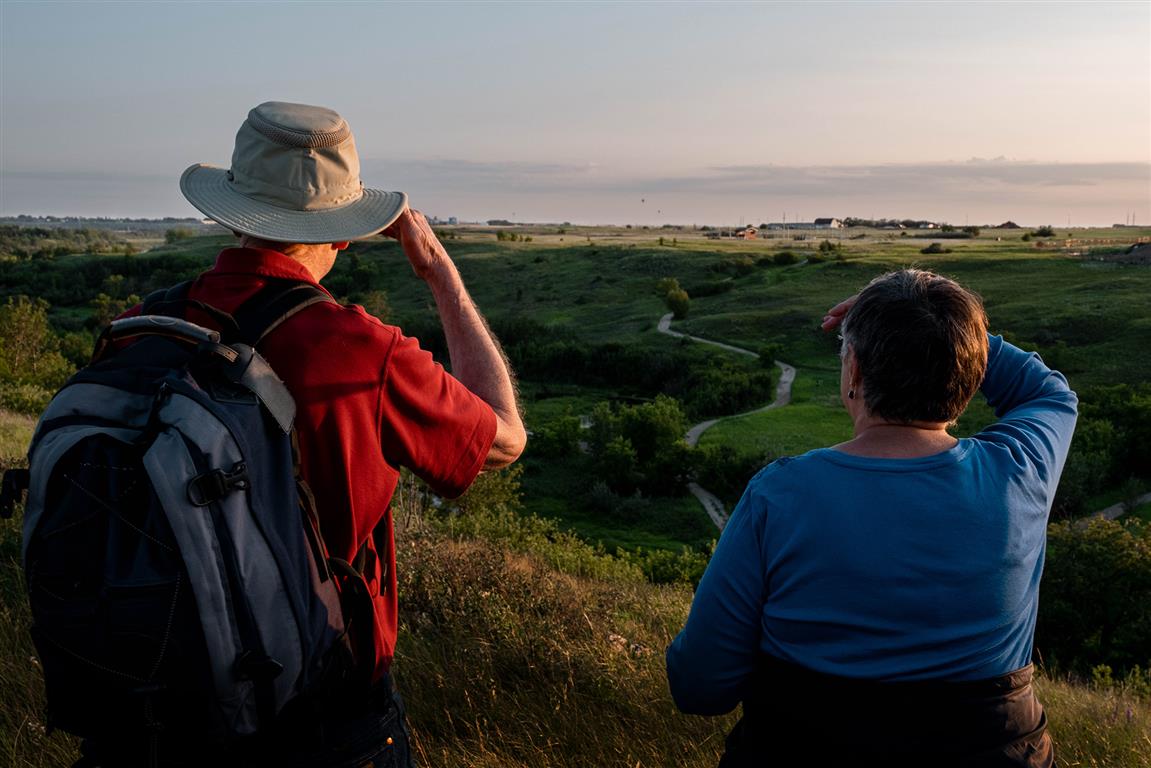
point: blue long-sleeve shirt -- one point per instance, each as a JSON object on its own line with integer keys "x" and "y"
{"x": 887, "y": 569}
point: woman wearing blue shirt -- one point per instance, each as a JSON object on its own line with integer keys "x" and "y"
{"x": 874, "y": 602}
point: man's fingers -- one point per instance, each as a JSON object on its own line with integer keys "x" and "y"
{"x": 393, "y": 229}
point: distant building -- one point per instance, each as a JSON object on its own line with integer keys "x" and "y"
{"x": 747, "y": 233}
{"x": 453, "y": 220}
{"x": 828, "y": 224}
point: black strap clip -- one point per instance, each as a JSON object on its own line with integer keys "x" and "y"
{"x": 215, "y": 484}
{"x": 258, "y": 667}
{"x": 15, "y": 482}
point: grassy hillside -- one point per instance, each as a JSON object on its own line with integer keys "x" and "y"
{"x": 523, "y": 647}
{"x": 508, "y": 657}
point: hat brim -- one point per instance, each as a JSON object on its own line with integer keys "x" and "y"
{"x": 208, "y": 188}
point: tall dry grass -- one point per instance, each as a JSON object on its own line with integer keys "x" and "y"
{"x": 15, "y": 434}
{"x": 1097, "y": 727}
{"x": 516, "y": 659}
{"x": 508, "y": 662}
{"x": 23, "y": 741}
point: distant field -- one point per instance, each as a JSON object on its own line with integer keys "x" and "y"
{"x": 1086, "y": 316}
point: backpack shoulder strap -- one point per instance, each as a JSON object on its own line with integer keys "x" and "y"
{"x": 156, "y": 302}
{"x": 174, "y": 301}
{"x": 277, "y": 301}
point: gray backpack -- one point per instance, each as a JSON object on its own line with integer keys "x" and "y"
{"x": 174, "y": 563}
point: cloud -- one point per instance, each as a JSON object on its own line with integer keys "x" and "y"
{"x": 470, "y": 175}
{"x": 972, "y": 176}
{"x": 882, "y": 179}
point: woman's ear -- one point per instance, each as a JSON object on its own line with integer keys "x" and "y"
{"x": 852, "y": 365}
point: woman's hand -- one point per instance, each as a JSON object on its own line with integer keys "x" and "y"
{"x": 835, "y": 315}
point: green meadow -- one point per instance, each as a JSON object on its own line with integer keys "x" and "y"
{"x": 1071, "y": 298}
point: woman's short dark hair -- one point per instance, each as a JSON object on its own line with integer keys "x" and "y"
{"x": 920, "y": 341}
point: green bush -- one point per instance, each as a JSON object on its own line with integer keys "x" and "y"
{"x": 25, "y": 398}
{"x": 662, "y": 566}
{"x": 1095, "y": 604}
{"x": 30, "y": 358}
{"x": 784, "y": 258}
{"x": 736, "y": 266}
{"x": 176, "y": 234}
{"x": 678, "y": 302}
{"x": 828, "y": 248}
{"x": 934, "y": 248}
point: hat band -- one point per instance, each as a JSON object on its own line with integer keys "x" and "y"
{"x": 310, "y": 199}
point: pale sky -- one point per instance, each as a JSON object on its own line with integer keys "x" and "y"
{"x": 598, "y": 112}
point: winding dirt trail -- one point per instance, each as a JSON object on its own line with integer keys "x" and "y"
{"x": 1116, "y": 511}
{"x": 711, "y": 504}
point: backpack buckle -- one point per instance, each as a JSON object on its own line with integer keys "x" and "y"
{"x": 258, "y": 667}
{"x": 215, "y": 484}
{"x": 15, "y": 483}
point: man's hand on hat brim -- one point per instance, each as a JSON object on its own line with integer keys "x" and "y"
{"x": 418, "y": 241}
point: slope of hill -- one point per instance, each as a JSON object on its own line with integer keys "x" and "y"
{"x": 509, "y": 658}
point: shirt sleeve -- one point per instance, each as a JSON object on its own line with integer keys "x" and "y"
{"x": 430, "y": 422}
{"x": 711, "y": 661}
{"x": 1036, "y": 409}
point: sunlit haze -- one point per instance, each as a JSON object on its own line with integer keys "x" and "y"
{"x": 601, "y": 112}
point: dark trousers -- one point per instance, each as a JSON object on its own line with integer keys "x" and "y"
{"x": 372, "y": 734}
{"x": 800, "y": 717}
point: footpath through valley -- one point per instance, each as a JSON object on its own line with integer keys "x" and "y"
{"x": 711, "y": 503}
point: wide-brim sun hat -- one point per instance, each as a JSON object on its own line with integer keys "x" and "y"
{"x": 295, "y": 178}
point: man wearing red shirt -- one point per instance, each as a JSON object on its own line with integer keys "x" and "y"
{"x": 369, "y": 400}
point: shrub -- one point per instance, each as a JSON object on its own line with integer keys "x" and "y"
{"x": 1095, "y": 604}
{"x": 666, "y": 285}
{"x": 176, "y": 234}
{"x": 935, "y": 248}
{"x": 1045, "y": 231}
{"x": 769, "y": 353}
{"x": 24, "y": 398}
{"x": 29, "y": 351}
{"x": 737, "y": 266}
{"x": 828, "y": 248}
{"x": 662, "y": 566}
{"x": 785, "y": 258}
{"x": 678, "y": 302}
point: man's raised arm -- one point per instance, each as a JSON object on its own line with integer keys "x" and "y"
{"x": 477, "y": 360}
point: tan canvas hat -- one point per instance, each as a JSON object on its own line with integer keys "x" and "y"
{"x": 295, "y": 178}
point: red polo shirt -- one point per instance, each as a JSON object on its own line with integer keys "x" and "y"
{"x": 368, "y": 401}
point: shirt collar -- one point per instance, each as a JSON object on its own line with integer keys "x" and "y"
{"x": 260, "y": 261}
